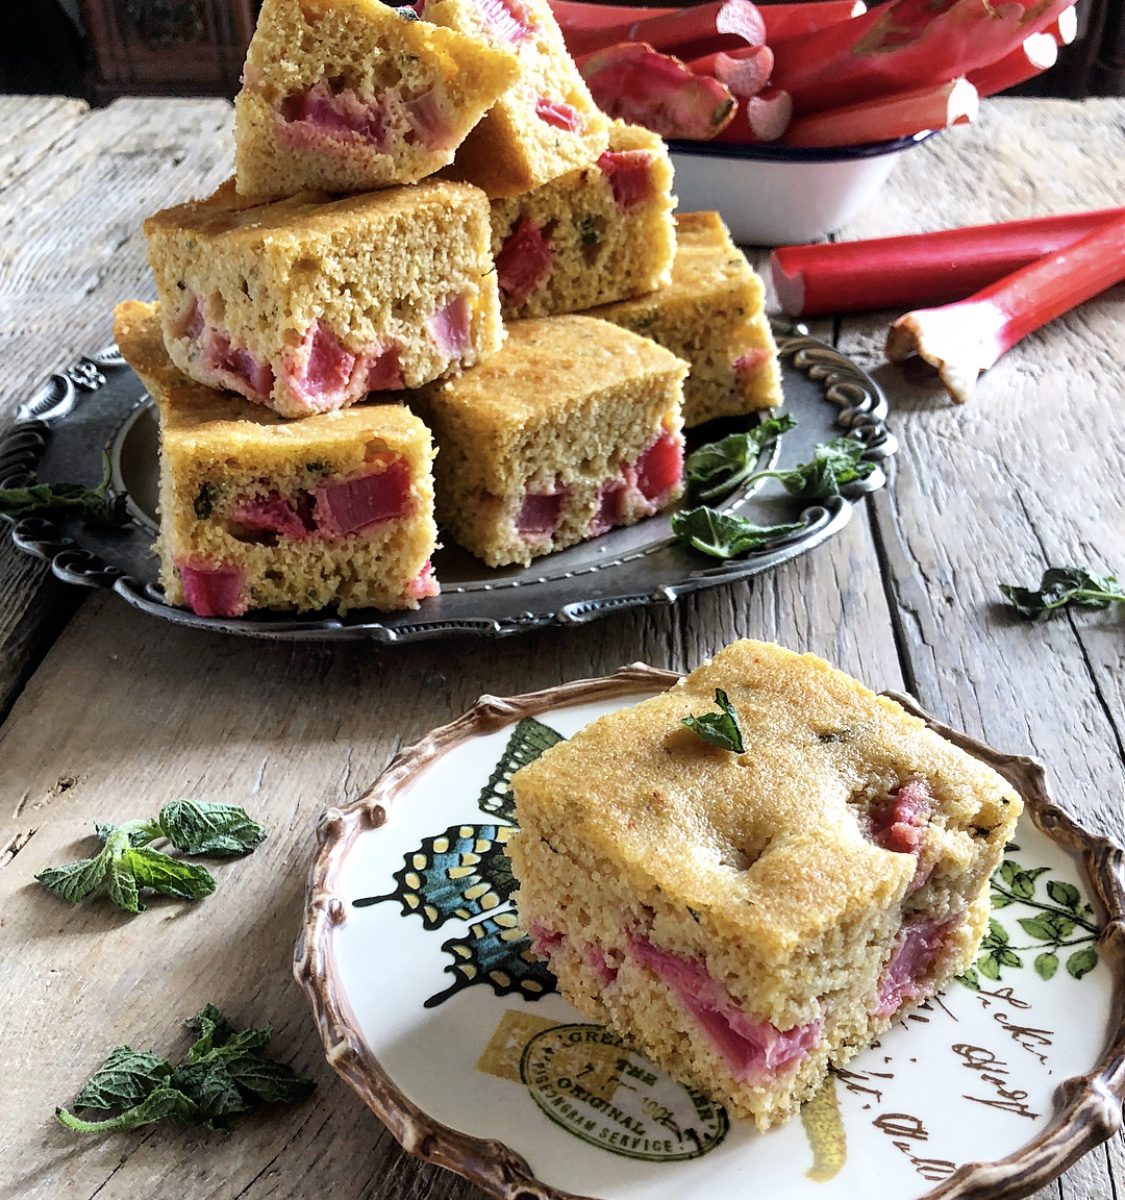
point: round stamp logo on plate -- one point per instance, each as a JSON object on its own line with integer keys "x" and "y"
{"x": 593, "y": 1085}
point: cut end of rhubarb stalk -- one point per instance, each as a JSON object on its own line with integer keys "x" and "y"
{"x": 788, "y": 287}
{"x": 745, "y": 74}
{"x": 948, "y": 341}
{"x": 636, "y": 83}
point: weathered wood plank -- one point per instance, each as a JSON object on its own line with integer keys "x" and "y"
{"x": 74, "y": 190}
{"x": 1028, "y": 474}
{"x": 30, "y": 127}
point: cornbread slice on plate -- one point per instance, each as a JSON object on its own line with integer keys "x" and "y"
{"x": 596, "y": 234}
{"x": 309, "y": 304}
{"x": 712, "y": 314}
{"x": 350, "y": 95}
{"x": 257, "y": 512}
{"x": 748, "y": 919}
{"x": 544, "y": 126}
{"x": 570, "y": 429}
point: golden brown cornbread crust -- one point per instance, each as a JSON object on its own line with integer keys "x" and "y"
{"x": 711, "y": 313}
{"x": 755, "y": 864}
{"x": 566, "y": 399}
{"x": 370, "y": 268}
{"x": 513, "y": 150}
{"x": 600, "y": 252}
{"x": 369, "y": 48}
{"x": 238, "y": 448}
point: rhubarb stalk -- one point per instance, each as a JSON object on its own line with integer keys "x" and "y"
{"x": 787, "y": 20}
{"x": 781, "y": 20}
{"x": 903, "y": 45}
{"x": 965, "y": 338}
{"x": 919, "y": 268}
{"x": 744, "y": 71}
{"x": 1038, "y": 53}
{"x": 738, "y": 22}
{"x": 762, "y": 118}
{"x": 635, "y": 83}
{"x": 891, "y": 117}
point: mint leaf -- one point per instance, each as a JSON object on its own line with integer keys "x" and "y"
{"x": 834, "y": 464}
{"x": 50, "y": 498}
{"x": 224, "y": 1074}
{"x": 720, "y": 729}
{"x": 163, "y": 1104}
{"x": 77, "y": 881}
{"x": 195, "y": 827}
{"x": 273, "y": 1082}
{"x": 724, "y": 536}
{"x": 126, "y": 1078}
{"x": 1061, "y": 586}
{"x": 166, "y": 875}
{"x": 719, "y": 467}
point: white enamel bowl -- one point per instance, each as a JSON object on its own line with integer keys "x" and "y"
{"x": 774, "y": 195}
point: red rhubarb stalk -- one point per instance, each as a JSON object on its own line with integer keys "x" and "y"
{"x": 744, "y": 71}
{"x": 632, "y": 81}
{"x": 1038, "y": 53}
{"x": 919, "y": 268}
{"x": 762, "y": 118}
{"x": 674, "y": 28}
{"x": 781, "y": 20}
{"x": 787, "y": 20}
{"x": 891, "y": 117}
{"x": 965, "y": 338}
{"x": 903, "y": 45}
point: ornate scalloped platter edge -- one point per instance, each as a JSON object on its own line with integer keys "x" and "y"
{"x": 1087, "y": 1108}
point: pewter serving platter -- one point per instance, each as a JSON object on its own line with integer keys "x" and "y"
{"x": 98, "y": 405}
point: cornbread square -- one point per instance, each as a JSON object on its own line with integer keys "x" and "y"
{"x": 712, "y": 314}
{"x": 351, "y": 95}
{"x": 309, "y": 304}
{"x": 544, "y": 126}
{"x": 748, "y": 919}
{"x": 572, "y": 428}
{"x": 257, "y": 512}
{"x": 596, "y": 234}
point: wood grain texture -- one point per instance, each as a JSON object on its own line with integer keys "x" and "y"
{"x": 75, "y": 186}
{"x": 126, "y": 712}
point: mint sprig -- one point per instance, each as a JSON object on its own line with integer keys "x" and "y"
{"x": 723, "y": 535}
{"x": 96, "y": 504}
{"x": 1060, "y": 587}
{"x": 127, "y": 865}
{"x": 224, "y": 1074}
{"x": 720, "y": 729}
{"x": 719, "y": 467}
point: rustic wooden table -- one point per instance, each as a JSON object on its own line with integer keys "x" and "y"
{"x": 108, "y": 713}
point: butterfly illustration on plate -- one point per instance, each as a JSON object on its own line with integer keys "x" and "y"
{"x": 464, "y": 874}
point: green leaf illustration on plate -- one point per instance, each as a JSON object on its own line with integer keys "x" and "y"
{"x": 1060, "y": 929}
{"x": 529, "y": 739}
{"x": 465, "y": 873}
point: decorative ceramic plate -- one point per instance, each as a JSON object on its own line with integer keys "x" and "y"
{"x": 431, "y": 1005}
{"x": 99, "y": 404}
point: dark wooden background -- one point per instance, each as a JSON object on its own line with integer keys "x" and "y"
{"x": 103, "y": 49}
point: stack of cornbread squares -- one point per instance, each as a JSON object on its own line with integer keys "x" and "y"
{"x": 427, "y": 205}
